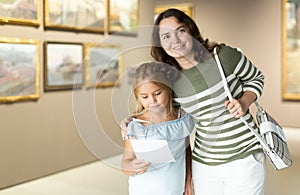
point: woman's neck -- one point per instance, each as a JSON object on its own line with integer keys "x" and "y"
{"x": 186, "y": 63}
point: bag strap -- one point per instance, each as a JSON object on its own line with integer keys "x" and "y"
{"x": 225, "y": 84}
{"x": 229, "y": 95}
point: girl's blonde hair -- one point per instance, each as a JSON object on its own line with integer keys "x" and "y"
{"x": 158, "y": 73}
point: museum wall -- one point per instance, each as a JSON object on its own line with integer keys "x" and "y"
{"x": 255, "y": 27}
{"x": 41, "y": 137}
{"x": 45, "y": 136}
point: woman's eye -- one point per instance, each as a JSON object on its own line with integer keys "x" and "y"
{"x": 165, "y": 37}
{"x": 181, "y": 31}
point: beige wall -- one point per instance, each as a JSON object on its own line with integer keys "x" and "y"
{"x": 256, "y": 27}
{"x": 40, "y": 138}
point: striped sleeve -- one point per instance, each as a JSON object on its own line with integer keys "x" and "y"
{"x": 236, "y": 63}
{"x": 251, "y": 77}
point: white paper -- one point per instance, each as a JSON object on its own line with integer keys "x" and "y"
{"x": 154, "y": 151}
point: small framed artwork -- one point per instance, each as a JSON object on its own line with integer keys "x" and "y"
{"x": 102, "y": 65}
{"x": 186, "y": 8}
{"x": 19, "y": 69}
{"x": 291, "y": 50}
{"x": 87, "y": 15}
{"x": 25, "y": 12}
{"x": 63, "y": 66}
{"x": 123, "y": 16}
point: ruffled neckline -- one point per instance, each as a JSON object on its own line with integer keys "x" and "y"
{"x": 171, "y": 130}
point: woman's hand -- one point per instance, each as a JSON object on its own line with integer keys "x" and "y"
{"x": 123, "y": 125}
{"x": 238, "y": 108}
{"x": 235, "y": 108}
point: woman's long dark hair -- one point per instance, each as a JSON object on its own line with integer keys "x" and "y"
{"x": 159, "y": 54}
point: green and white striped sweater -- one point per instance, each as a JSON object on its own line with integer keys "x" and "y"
{"x": 220, "y": 138}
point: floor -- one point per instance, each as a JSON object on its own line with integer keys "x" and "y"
{"x": 97, "y": 178}
{"x": 105, "y": 178}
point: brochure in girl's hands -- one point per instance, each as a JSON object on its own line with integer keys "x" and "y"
{"x": 154, "y": 151}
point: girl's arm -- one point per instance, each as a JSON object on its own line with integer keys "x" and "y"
{"x": 130, "y": 165}
{"x": 188, "y": 178}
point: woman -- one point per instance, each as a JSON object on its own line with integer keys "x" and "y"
{"x": 227, "y": 158}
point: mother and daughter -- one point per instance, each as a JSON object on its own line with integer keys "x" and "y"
{"x": 226, "y": 158}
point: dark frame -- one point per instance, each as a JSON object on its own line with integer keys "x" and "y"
{"x": 63, "y": 65}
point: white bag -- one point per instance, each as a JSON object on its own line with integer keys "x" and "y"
{"x": 271, "y": 137}
{"x": 274, "y": 136}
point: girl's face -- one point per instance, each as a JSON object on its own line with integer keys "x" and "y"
{"x": 175, "y": 39}
{"x": 153, "y": 97}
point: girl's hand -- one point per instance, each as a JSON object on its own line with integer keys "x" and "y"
{"x": 139, "y": 166}
{"x": 236, "y": 108}
{"x": 123, "y": 125}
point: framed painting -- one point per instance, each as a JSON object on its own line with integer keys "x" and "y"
{"x": 291, "y": 50}
{"x": 102, "y": 65}
{"x": 19, "y": 69}
{"x": 25, "y": 12}
{"x": 63, "y": 66}
{"x": 87, "y": 15}
{"x": 123, "y": 16}
{"x": 186, "y": 8}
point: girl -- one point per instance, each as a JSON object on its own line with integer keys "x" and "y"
{"x": 157, "y": 118}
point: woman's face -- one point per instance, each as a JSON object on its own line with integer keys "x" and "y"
{"x": 153, "y": 97}
{"x": 175, "y": 39}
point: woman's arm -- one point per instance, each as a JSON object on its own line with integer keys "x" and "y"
{"x": 252, "y": 82}
{"x": 130, "y": 165}
{"x": 123, "y": 125}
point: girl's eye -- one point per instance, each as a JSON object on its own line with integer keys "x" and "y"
{"x": 158, "y": 93}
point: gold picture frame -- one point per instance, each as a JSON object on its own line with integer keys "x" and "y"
{"x": 103, "y": 65}
{"x": 84, "y": 16}
{"x": 63, "y": 65}
{"x": 26, "y": 12}
{"x": 123, "y": 16}
{"x": 290, "y": 50}
{"x": 19, "y": 69}
{"x": 186, "y": 8}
